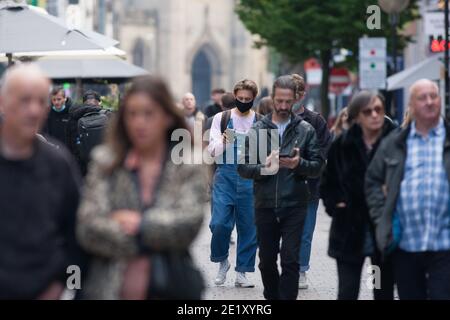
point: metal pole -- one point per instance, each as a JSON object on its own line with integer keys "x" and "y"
{"x": 394, "y": 23}
{"x": 79, "y": 88}
{"x": 446, "y": 62}
{"x": 101, "y": 16}
{"x": 10, "y": 61}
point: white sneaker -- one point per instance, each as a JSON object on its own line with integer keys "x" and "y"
{"x": 302, "y": 282}
{"x": 242, "y": 281}
{"x": 222, "y": 274}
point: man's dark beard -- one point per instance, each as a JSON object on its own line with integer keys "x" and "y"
{"x": 283, "y": 113}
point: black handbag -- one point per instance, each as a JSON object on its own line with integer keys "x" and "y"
{"x": 174, "y": 277}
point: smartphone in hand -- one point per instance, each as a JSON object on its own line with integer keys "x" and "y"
{"x": 287, "y": 155}
{"x": 231, "y": 134}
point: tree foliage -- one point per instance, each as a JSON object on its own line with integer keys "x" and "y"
{"x": 300, "y": 29}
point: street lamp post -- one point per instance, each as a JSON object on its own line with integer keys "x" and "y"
{"x": 10, "y": 59}
{"x": 393, "y": 9}
{"x": 393, "y": 20}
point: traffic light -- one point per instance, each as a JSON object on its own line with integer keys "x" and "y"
{"x": 441, "y": 4}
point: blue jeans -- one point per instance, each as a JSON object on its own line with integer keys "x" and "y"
{"x": 307, "y": 235}
{"x": 232, "y": 202}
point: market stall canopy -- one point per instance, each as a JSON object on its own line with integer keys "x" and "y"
{"x": 30, "y": 56}
{"x": 25, "y": 28}
{"x": 89, "y": 68}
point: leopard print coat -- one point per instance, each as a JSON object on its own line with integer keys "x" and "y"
{"x": 170, "y": 224}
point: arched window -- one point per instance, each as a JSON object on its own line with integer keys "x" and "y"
{"x": 138, "y": 53}
{"x": 201, "y": 78}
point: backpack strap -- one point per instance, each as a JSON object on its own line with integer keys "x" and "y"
{"x": 226, "y": 115}
{"x": 258, "y": 116}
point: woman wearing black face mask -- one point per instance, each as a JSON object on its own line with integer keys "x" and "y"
{"x": 232, "y": 196}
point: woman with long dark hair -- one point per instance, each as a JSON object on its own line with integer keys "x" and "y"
{"x": 341, "y": 123}
{"x": 140, "y": 211}
{"x": 352, "y": 234}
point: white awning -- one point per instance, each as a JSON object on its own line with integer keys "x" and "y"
{"x": 429, "y": 68}
{"x": 89, "y": 68}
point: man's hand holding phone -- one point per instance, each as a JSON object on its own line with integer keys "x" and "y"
{"x": 290, "y": 161}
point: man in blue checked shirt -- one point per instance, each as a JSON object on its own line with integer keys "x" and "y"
{"x": 407, "y": 190}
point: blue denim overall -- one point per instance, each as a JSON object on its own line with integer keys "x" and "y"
{"x": 232, "y": 202}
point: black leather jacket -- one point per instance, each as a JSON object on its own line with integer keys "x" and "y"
{"x": 288, "y": 188}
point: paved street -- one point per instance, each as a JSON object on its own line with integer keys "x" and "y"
{"x": 322, "y": 277}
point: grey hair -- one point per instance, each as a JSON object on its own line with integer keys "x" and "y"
{"x": 414, "y": 86}
{"x": 285, "y": 82}
{"x": 23, "y": 68}
{"x": 188, "y": 94}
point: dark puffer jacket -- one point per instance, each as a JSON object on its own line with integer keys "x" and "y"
{"x": 288, "y": 188}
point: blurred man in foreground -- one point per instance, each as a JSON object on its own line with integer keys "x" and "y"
{"x": 39, "y": 193}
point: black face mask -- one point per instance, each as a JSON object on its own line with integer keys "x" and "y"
{"x": 243, "y": 107}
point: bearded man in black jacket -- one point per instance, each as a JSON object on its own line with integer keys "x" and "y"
{"x": 281, "y": 188}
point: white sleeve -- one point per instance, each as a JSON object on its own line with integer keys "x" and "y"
{"x": 216, "y": 146}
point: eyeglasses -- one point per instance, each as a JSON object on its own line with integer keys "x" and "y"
{"x": 368, "y": 112}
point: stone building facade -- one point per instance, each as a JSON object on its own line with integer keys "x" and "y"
{"x": 196, "y": 45}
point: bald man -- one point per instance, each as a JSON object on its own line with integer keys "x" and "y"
{"x": 407, "y": 190}
{"x": 39, "y": 192}
{"x": 192, "y": 115}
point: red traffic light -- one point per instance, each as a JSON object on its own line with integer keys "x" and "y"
{"x": 438, "y": 45}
